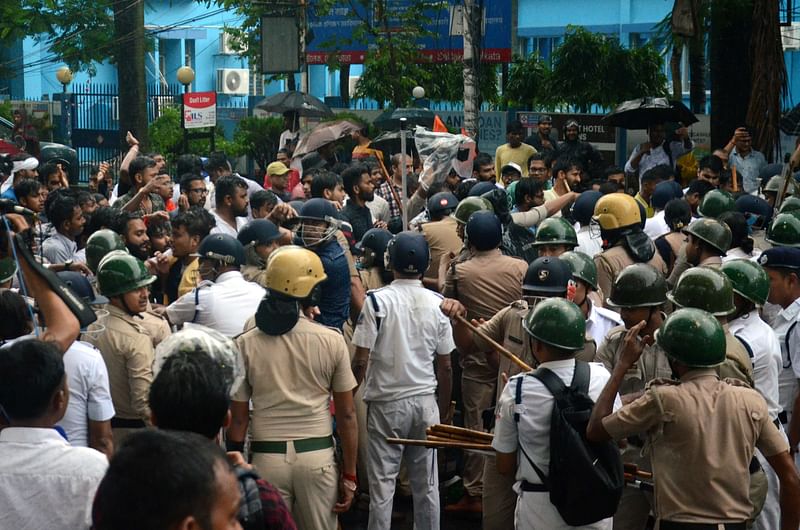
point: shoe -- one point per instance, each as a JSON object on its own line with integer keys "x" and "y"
{"x": 467, "y": 504}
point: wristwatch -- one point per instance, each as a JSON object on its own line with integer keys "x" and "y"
{"x": 68, "y": 265}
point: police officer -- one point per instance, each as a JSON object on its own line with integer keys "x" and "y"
{"x": 556, "y": 328}
{"x": 624, "y": 242}
{"x": 639, "y": 293}
{"x": 441, "y": 234}
{"x": 545, "y": 278}
{"x": 259, "y": 237}
{"x": 317, "y": 229}
{"x": 126, "y": 347}
{"x": 554, "y": 236}
{"x": 372, "y": 263}
{"x": 710, "y": 290}
{"x": 599, "y": 320}
{"x": 750, "y": 290}
{"x": 783, "y": 268}
{"x": 292, "y": 366}
{"x": 400, "y": 336}
{"x": 707, "y": 241}
{"x": 100, "y": 244}
{"x": 224, "y": 300}
{"x": 695, "y": 424}
{"x": 759, "y": 213}
{"x": 715, "y": 203}
{"x": 485, "y": 283}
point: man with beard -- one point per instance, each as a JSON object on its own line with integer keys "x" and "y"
{"x": 359, "y": 189}
{"x": 590, "y": 158}
{"x": 231, "y": 205}
{"x": 126, "y": 346}
{"x": 133, "y": 230}
{"x": 542, "y": 140}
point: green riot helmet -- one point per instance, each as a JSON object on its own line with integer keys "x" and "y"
{"x": 784, "y": 231}
{"x": 638, "y": 285}
{"x": 582, "y": 266}
{"x": 8, "y": 268}
{"x": 790, "y": 204}
{"x": 122, "y": 273}
{"x": 715, "y": 203}
{"x": 469, "y": 206}
{"x": 704, "y": 288}
{"x": 711, "y": 231}
{"x": 101, "y": 243}
{"x": 693, "y": 337}
{"x": 774, "y": 185}
{"x": 557, "y": 322}
{"x": 556, "y": 231}
{"x": 748, "y": 279}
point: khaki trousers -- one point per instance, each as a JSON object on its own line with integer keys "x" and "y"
{"x": 499, "y": 498}
{"x": 308, "y": 482}
{"x": 477, "y": 396}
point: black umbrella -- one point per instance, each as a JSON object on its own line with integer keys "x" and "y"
{"x": 390, "y": 118}
{"x": 389, "y": 142}
{"x": 293, "y": 101}
{"x": 790, "y": 122}
{"x": 644, "y": 112}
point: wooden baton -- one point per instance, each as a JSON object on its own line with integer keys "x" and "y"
{"x": 434, "y": 444}
{"x": 460, "y": 431}
{"x": 504, "y": 352}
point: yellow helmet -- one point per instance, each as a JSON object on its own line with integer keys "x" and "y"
{"x": 294, "y": 271}
{"x": 616, "y": 210}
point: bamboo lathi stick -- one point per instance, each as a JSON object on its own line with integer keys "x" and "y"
{"x": 434, "y": 444}
{"x": 500, "y": 349}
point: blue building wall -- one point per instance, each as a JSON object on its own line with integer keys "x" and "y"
{"x": 188, "y": 32}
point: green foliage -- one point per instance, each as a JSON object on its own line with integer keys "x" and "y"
{"x": 166, "y": 136}
{"x": 257, "y": 138}
{"x": 588, "y": 69}
{"x": 6, "y": 111}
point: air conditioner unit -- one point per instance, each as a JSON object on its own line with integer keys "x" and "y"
{"x": 226, "y": 45}
{"x": 233, "y": 81}
{"x": 790, "y": 36}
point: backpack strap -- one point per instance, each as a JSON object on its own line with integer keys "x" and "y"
{"x": 786, "y": 343}
{"x": 580, "y": 379}
{"x": 746, "y": 347}
{"x": 196, "y": 303}
{"x": 518, "y": 403}
{"x": 374, "y": 300}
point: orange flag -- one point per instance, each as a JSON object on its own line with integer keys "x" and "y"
{"x": 438, "y": 124}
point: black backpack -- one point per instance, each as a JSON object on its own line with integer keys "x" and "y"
{"x": 586, "y": 479}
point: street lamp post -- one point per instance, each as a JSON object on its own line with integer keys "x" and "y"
{"x": 64, "y": 76}
{"x": 185, "y": 77}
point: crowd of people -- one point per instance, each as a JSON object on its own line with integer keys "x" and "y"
{"x": 255, "y": 342}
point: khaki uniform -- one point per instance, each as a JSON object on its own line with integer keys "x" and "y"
{"x": 289, "y": 379}
{"x": 251, "y": 273}
{"x": 127, "y": 350}
{"x": 156, "y": 326}
{"x": 499, "y": 499}
{"x": 635, "y": 505}
{"x": 484, "y": 284}
{"x": 442, "y": 239}
{"x": 693, "y": 426}
{"x": 681, "y": 266}
{"x": 611, "y": 262}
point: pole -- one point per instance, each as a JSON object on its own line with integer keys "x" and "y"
{"x": 403, "y": 172}
{"x": 183, "y": 120}
{"x": 500, "y": 349}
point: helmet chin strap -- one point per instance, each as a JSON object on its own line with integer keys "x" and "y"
{"x": 127, "y": 308}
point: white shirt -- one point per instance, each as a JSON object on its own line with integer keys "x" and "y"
{"x": 224, "y": 305}
{"x": 89, "y": 392}
{"x": 533, "y": 429}
{"x": 591, "y": 246}
{"x": 379, "y": 208}
{"x": 766, "y": 356}
{"x": 600, "y": 322}
{"x": 656, "y": 226}
{"x": 656, "y": 157}
{"x": 738, "y": 253}
{"x": 224, "y": 228}
{"x": 790, "y": 357}
{"x": 45, "y": 482}
{"x": 413, "y": 328}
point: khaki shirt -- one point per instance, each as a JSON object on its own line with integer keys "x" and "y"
{"x": 290, "y": 379}
{"x": 702, "y": 433}
{"x": 371, "y": 278}
{"x": 442, "y": 239}
{"x": 157, "y": 327}
{"x": 506, "y": 329}
{"x": 485, "y": 284}
{"x": 737, "y": 363}
{"x": 251, "y": 273}
{"x": 127, "y": 350}
{"x": 611, "y": 262}
{"x": 653, "y": 363}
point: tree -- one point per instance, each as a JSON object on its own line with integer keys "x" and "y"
{"x": 527, "y": 82}
{"x": 166, "y": 137}
{"x": 258, "y": 139}
{"x": 79, "y": 33}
